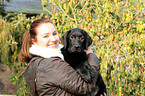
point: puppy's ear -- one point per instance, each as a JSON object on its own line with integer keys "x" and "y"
{"x": 64, "y": 38}
{"x": 88, "y": 40}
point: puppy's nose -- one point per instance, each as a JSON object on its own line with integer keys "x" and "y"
{"x": 77, "y": 46}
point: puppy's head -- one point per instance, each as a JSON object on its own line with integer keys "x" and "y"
{"x": 76, "y": 40}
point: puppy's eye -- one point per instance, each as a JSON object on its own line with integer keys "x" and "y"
{"x": 72, "y": 37}
{"x": 82, "y": 38}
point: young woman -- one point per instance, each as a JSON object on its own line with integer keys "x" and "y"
{"x": 47, "y": 73}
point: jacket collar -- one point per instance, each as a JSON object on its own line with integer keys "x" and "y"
{"x": 46, "y": 52}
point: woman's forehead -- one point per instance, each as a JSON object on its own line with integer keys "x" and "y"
{"x": 46, "y": 28}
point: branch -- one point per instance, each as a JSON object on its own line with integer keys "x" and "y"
{"x": 65, "y": 12}
{"x": 74, "y": 14}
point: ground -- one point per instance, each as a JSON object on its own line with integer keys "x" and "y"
{"x": 6, "y": 87}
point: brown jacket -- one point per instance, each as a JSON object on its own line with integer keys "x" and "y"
{"x": 54, "y": 77}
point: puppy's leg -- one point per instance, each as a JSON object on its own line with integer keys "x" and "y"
{"x": 102, "y": 86}
{"x": 98, "y": 79}
{"x": 84, "y": 73}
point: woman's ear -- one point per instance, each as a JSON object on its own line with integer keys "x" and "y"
{"x": 34, "y": 41}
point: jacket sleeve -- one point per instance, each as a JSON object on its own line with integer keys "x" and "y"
{"x": 54, "y": 72}
{"x": 94, "y": 61}
{"x": 95, "y": 64}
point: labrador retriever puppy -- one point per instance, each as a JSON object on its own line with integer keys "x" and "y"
{"x": 75, "y": 42}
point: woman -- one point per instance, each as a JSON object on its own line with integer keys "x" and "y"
{"x": 47, "y": 73}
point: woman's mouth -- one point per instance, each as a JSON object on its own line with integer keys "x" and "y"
{"x": 52, "y": 45}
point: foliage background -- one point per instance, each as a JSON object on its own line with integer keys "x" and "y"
{"x": 117, "y": 28}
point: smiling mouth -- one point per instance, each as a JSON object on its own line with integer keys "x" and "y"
{"x": 52, "y": 45}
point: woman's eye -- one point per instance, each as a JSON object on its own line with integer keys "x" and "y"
{"x": 45, "y": 36}
{"x": 54, "y": 33}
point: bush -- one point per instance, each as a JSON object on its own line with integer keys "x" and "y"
{"x": 118, "y": 31}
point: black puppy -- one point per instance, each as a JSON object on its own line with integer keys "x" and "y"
{"x": 75, "y": 42}
{"x": 73, "y": 51}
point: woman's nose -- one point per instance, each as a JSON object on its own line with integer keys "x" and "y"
{"x": 52, "y": 38}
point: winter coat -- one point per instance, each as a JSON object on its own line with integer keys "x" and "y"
{"x": 55, "y": 77}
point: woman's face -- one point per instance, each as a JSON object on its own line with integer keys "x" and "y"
{"x": 46, "y": 36}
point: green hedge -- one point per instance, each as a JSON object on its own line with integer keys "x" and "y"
{"x": 118, "y": 31}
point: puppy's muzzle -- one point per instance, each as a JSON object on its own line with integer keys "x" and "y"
{"x": 77, "y": 46}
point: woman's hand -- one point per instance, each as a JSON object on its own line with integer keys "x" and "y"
{"x": 104, "y": 94}
{"x": 89, "y": 50}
